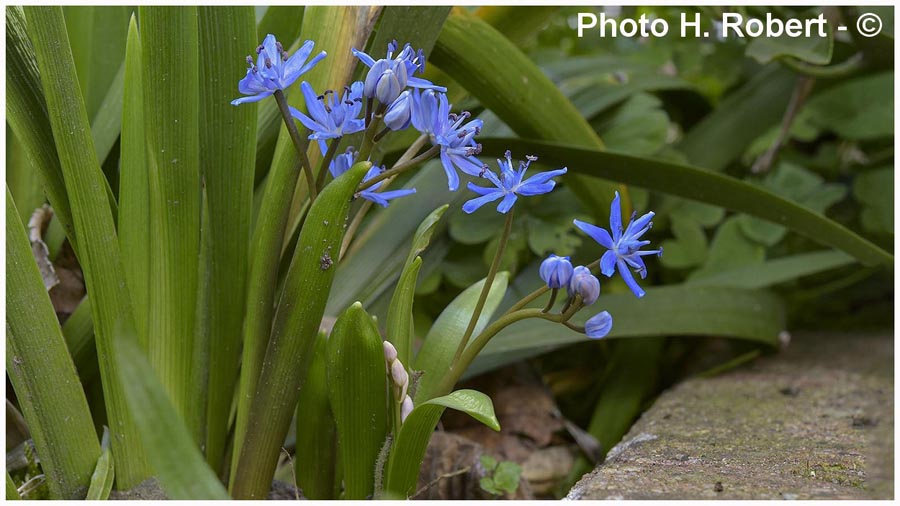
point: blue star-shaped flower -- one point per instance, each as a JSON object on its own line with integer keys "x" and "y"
{"x": 343, "y": 162}
{"x": 331, "y": 118}
{"x": 509, "y": 184}
{"x": 274, "y": 70}
{"x": 388, "y": 77}
{"x": 431, "y": 115}
{"x": 624, "y": 245}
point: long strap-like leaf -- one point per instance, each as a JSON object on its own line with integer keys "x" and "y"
{"x": 93, "y": 221}
{"x": 42, "y": 372}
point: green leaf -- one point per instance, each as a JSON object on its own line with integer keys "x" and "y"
{"x": 93, "y": 221}
{"x": 104, "y": 473}
{"x": 704, "y": 186}
{"x": 134, "y": 187}
{"x": 745, "y": 114}
{"x": 294, "y": 330}
{"x": 26, "y": 114}
{"x": 171, "y": 61}
{"x": 227, "y": 154}
{"x": 773, "y": 272}
{"x": 439, "y": 348}
{"x": 507, "y": 475}
{"x": 316, "y": 437}
{"x": 518, "y": 23}
{"x": 857, "y": 109}
{"x": 23, "y": 180}
{"x": 487, "y": 462}
{"x": 730, "y": 248}
{"x": 689, "y": 246}
{"x": 638, "y": 127}
{"x": 877, "y": 204}
{"x": 358, "y": 392}
{"x": 42, "y": 373}
{"x": 12, "y": 493}
{"x": 518, "y": 92}
{"x": 815, "y": 50}
{"x": 669, "y": 310}
{"x": 177, "y": 462}
{"x": 408, "y": 449}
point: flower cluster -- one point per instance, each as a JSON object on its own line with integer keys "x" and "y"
{"x": 388, "y": 77}
{"x": 558, "y": 272}
{"x": 399, "y": 379}
{"x": 343, "y": 162}
{"x": 273, "y": 69}
{"x": 330, "y": 118}
{"x": 509, "y": 184}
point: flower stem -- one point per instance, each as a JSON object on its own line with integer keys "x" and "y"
{"x": 300, "y": 143}
{"x": 485, "y": 290}
{"x": 552, "y": 300}
{"x": 326, "y": 161}
{"x": 528, "y": 299}
{"x": 401, "y": 167}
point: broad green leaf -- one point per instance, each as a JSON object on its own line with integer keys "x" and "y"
{"x": 227, "y": 154}
{"x": 638, "y": 127}
{"x": 104, "y": 473}
{"x": 518, "y": 23}
{"x": 358, "y": 392}
{"x": 730, "y": 248}
{"x": 134, "y": 187}
{"x": 704, "y": 186}
{"x": 106, "y": 125}
{"x": 408, "y": 449}
{"x": 423, "y": 234}
{"x": 94, "y": 223}
{"x": 12, "y": 493}
{"x": 688, "y": 248}
{"x": 869, "y": 189}
{"x": 815, "y": 50}
{"x": 42, "y": 373}
{"x": 316, "y": 448}
{"x": 669, "y": 310}
{"x": 177, "y": 461}
{"x": 745, "y": 114}
{"x": 775, "y": 271}
{"x": 79, "y": 334}
{"x": 294, "y": 330}
{"x": 518, "y": 92}
{"x": 23, "y": 180}
{"x": 439, "y": 348}
{"x": 171, "y": 62}
{"x": 26, "y": 114}
{"x": 857, "y": 109}
{"x": 282, "y": 21}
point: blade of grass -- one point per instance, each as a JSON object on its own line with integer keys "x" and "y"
{"x": 170, "y": 55}
{"x": 79, "y": 334}
{"x": 93, "y": 220}
{"x": 22, "y": 178}
{"x": 12, "y": 492}
{"x": 296, "y": 324}
{"x": 107, "y": 123}
{"x": 316, "y": 438}
{"x": 42, "y": 372}
{"x": 227, "y": 149}
{"x": 104, "y": 474}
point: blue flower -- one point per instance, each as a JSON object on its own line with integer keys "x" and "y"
{"x": 399, "y": 113}
{"x": 510, "y": 184}
{"x": 556, "y": 271}
{"x": 331, "y": 118}
{"x": 343, "y": 162}
{"x": 274, "y": 70}
{"x": 599, "y": 325}
{"x": 387, "y": 77}
{"x": 431, "y": 115}
{"x": 584, "y": 283}
{"x": 624, "y": 245}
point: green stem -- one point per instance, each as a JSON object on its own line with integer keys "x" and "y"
{"x": 552, "y": 300}
{"x": 400, "y": 168}
{"x": 369, "y": 137}
{"x": 488, "y": 282}
{"x": 300, "y": 143}
{"x": 326, "y": 161}
{"x": 528, "y": 299}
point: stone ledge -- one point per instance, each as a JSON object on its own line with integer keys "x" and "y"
{"x": 813, "y": 422}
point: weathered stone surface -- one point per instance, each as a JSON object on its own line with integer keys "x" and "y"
{"x": 813, "y": 422}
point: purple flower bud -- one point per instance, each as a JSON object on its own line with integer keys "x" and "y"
{"x": 373, "y": 76}
{"x": 406, "y": 408}
{"x": 390, "y": 83}
{"x": 598, "y": 325}
{"x": 390, "y": 353}
{"x": 399, "y": 376}
{"x": 556, "y": 271}
{"x": 585, "y": 284}
{"x": 398, "y": 114}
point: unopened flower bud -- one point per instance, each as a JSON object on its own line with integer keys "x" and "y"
{"x": 398, "y": 114}
{"x": 399, "y": 376}
{"x": 390, "y": 353}
{"x": 585, "y": 284}
{"x": 388, "y": 86}
{"x": 406, "y": 408}
{"x": 598, "y": 325}
{"x": 556, "y": 271}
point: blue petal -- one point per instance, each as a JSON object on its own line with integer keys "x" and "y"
{"x": 314, "y": 106}
{"x": 629, "y": 278}
{"x": 507, "y": 203}
{"x": 383, "y": 198}
{"x": 294, "y": 64}
{"x": 251, "y": 98}
{"x": 306, "y": 120}
{"x": 615, "y": 219}
{"x": 472, "y": 205}
{"x": 599, "y": 325}
{"x": 251, "y": 84}
{"x": 531, "y": 189}
{"x": 418, "y": 82}
{"x": 452, "y": 177}
{"x": 312, "y": 63}
{"x": 608, "y": 263}
{"x": 543, "y": 177}
{"x": 598, "y": 234}
{"x": 363, "y": 57}
{"x": 481, "y": 190}
{"x": 468, "y": 164}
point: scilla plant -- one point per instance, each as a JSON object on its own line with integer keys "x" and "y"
{"x": 199, "y": 385}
